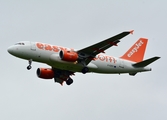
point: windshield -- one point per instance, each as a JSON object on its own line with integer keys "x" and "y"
{"x": 19, "y": 44}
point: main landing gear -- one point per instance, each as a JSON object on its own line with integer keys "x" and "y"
{"x": 29, "y": 66}
{"x": 69, "y": 81}
{"x": 85, "y": 70}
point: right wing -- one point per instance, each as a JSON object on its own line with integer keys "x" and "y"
{"x": 93, "y": 50}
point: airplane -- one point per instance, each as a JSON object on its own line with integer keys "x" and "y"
{"x": 65, "y": 62}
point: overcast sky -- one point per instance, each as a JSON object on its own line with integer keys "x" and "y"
{"x": 78, "y": 24}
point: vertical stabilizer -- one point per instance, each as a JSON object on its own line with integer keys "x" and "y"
{"x": 136, "y": 52}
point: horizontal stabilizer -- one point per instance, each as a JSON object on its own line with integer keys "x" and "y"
{"x": 145, "y": 62}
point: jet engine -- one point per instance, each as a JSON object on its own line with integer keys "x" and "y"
{"x": 69, "y": 56}
{"x": 45, "y": 73}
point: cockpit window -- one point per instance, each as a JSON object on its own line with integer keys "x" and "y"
{"x": 19, "y": 44}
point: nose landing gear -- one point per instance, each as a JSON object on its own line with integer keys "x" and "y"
{"x": 29, "y": 66}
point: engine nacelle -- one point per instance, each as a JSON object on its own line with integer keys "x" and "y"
{"x": 69, "y": 56}
{"x": 45, "y": 73}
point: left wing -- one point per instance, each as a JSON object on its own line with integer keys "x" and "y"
{"x": 90, "y": 52}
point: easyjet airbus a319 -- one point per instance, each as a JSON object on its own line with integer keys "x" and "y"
{"x": 65, "y": 62}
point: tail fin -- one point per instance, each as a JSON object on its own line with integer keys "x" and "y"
{"x": 136, "y": 52}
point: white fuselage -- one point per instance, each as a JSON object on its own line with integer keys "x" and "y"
{"x": 50, "y": 55}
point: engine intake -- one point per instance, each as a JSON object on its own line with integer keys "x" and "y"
{"x": 45, "y": 73}
{"x": 69, "y": 56}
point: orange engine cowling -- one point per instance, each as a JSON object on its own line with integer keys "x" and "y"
{"x": 69, "y": 56}
{"x": 45, "y": 73}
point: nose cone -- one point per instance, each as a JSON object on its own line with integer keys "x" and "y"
{"x": 13, "y": 50}
{"x": 10, "y": 50}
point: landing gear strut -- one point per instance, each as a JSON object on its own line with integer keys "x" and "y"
{"x": 85, "y": 69}
{"x": 69, "y": 81}
{"x": 29, "y": 66}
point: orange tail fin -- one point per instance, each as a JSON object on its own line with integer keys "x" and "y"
{"x": 136, "y": 52}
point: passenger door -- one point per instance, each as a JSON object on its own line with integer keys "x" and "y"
{"x": 33, "y": 47}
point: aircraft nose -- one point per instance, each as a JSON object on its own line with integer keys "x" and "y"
{"x": 11, "y": 50}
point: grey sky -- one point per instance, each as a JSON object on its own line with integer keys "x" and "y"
{"x": 78, "y": 24}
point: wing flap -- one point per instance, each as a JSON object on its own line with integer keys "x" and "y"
{"x": 58, "y": 80}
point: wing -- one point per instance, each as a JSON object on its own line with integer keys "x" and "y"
{"x": 90, "y": 52}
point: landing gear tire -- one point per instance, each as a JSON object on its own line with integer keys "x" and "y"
{"x": 29, "y": 67}
{"x": 69, "y": 81}
{"x": 85, "y": 70}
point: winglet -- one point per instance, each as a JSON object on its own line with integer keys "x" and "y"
{"x": 131, "y": 32}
